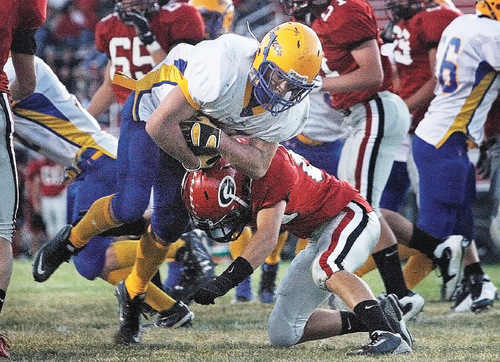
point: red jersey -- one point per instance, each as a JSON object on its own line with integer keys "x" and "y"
{"x": 313, "y": 195}
{"x": 172, "y": 24}
{"x": 344, "y": 25}
{"x": 51, "y": 176}
{"x": 413, "y": 39}
{"x": 17, "y": 16}
{"x": 492, "y": 125}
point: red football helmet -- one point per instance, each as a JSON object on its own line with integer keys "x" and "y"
{"x": 218, "y": 200}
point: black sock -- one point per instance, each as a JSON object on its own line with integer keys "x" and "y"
{"x": 351, "y": 323}
{"x": 389, "y": 267}
{"x": 2, "y": 298}
{"x": 371, "y": 315}
{"x": 473, "y": 269}
{"x": 424, "y": 242}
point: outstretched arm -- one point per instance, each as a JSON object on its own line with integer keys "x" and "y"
{"x": 260, "y": 245}
{"x": 253, "y": 159}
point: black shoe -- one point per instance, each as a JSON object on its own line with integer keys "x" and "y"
{"x": 195, "y": 257}
{"x": 177, "y": 316}
{"x": 268, "y": 283}
{"x": 53, "y": 254}
{"x": 197, "y": 265}
{"x": 130, "y": 330}
{"x": 384, "y": 342}
{"x": 393, "y": 311}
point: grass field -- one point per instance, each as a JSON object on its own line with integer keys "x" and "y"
{"x": 69, "y": 318}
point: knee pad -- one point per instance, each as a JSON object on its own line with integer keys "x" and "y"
{"x": 280, "y": 332}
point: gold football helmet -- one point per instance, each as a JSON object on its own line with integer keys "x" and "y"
{"x": 288, "y": 59}
{"x": 489, "y": 8}
{"x": 217, "y": 14}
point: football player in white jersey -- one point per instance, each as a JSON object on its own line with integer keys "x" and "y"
{"x": 251, "y": 89}
{"x": 52, "y": 122}
{"x": 467, "y": 74}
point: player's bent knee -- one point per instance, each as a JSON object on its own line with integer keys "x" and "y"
{"x": 281, "y": 333}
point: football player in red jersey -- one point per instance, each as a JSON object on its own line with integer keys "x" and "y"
{"x": 359, "y": 80}
{"x": 20, "y": 20}
{"x": 167, "y": 114}
{"x": 308, "y": 202}
{"x": 136, "y": 37}
{"x": 416, "y": 33}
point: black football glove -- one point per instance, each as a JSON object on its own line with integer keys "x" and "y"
{"x": 235, "y": 273}
{"x": 140, "y": 22}
{"x": 208, "y": 290}
{"x": 202, "y": 137}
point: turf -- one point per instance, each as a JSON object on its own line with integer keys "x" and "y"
{"x": 69, "y": 318}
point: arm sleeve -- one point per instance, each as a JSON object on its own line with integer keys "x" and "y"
{"x": 23, "y": 41}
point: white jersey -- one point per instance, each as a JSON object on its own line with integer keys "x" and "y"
{"x": 468, "y": 62}
{"x": 324, "y": 123}
{"x": 213, "y": 76}
{"x": 52, "y": 122}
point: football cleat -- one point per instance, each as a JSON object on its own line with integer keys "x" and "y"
{"x": 5, "y": 344}
{"x": 463, "y": 299}
{"x": 130, "y": 329}
{"x": 483, "y": 291}
{"x": 177, "y": 316}
{"x": 411, "y": 305}
{"x": 53, "y": 254}
{"x": 477, "y": 294}
{"x": 197, "y": 265}
{"x": 383, "y": 342}
{"x": 392, "y": 309}
{"x": 243, "y": 291}
{"x": 449, "y": 256}
{"x": 268, "y": 283}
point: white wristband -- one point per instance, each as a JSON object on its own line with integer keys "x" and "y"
{"x": 193, "y": 169}
{"x": 153, "y": 47}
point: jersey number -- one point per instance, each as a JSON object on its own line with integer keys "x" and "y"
{"x": 329, "y": 10}
{"x": 313, "y": 172}
{"x": 402, "y": 52}
{"x": 448, "y": 70}
{"x": 122, "y": 61}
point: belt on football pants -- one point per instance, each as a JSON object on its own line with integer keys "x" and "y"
{"x": 86, "y": 153}
{"x": 308, "y": 141}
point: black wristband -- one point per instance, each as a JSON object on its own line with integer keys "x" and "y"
{"x": 238, "y": 271}
{"x": 23, "y": 41}
{"x": 147, "y": 38}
